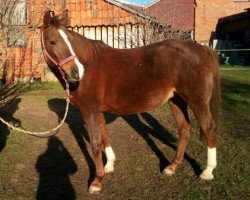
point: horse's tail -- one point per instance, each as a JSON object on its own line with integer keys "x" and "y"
{"x": 216, "y": 91}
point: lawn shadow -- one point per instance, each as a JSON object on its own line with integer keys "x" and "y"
{"x": 9, "y": 104}
{"x": 54, "y": 167}
{"x": 7, "y": 110}
{"x": 236, "y": 107}
{"x": 231, "y": 89}
{"x": 155, "y": 129}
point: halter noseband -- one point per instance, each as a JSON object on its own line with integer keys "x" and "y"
{"x": 58, "y": 64}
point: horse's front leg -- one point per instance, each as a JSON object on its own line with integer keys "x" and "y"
{"x": 93, "y": 122}
{"x": 110, "y": 155}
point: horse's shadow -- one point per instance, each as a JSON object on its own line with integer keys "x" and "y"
{"x": 154, "y": 128}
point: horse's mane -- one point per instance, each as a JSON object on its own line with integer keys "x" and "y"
{"x": 86, "y": 49}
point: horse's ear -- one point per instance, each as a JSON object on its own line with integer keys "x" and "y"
{"x": 47, "y": 19}
{"x": 63, "y": 18}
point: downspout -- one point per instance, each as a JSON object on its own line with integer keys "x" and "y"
{"x": 195, "y": 5}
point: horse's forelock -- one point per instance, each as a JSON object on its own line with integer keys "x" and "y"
{"x": 54, "y": 22}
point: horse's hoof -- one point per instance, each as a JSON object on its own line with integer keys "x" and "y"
{"x": 94, "y": 189}
{"x": 205, "y": 175}
{"x": 108, "y": 168}
{"x": 168, "y": 171}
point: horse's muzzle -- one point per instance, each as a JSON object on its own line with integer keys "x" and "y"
{"x": 75, "y": 74}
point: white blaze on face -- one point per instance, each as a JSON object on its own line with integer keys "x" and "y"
{"x": 77, "y": 62}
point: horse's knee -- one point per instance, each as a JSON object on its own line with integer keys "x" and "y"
{"x": 184, "y": 131}
{"x": 96, "y": 147}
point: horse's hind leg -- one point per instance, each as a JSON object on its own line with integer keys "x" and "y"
{"x": 207, "y": 124}
{"x": 179, "y": 110}
{"x": 109, "y": 166}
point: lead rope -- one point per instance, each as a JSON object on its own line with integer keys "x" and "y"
{"x": 45, "y": 133}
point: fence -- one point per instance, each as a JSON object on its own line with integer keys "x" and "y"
{"x": 234, "y": 57}
{"x": 121, "y": 36}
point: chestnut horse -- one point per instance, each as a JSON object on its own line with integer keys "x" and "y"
{"x": 132, "y": 81}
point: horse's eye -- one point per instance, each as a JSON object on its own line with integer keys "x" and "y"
{"x": 53, "y": 43}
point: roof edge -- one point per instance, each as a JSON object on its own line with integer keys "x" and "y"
{"x": 121, "y": 5}
{"x": 131, "y": 3}
{"x": 133, "y": 11}
{"x": 153, "y": 3}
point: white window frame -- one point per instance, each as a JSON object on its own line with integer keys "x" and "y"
{"x": 16, "y": 33}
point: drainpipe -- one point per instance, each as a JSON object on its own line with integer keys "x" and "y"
{"x": 195, "y": 5}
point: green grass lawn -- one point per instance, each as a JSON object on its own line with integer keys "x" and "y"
{"x": 236, "y": 97}
{"x": 234, "y": 133}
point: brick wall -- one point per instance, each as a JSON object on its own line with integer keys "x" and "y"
{"x": 208, "y": 12}
{"x": 24, "y": 63}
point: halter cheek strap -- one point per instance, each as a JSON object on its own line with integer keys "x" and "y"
{"x": 58, "y": 64}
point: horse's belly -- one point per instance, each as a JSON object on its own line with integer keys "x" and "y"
{"x": 135, "y": 104}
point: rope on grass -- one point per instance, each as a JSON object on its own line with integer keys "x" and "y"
{"x": 49, "y": 132}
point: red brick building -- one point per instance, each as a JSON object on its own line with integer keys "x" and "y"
{"x": 208, "y": 12}
{"x": 101, "y": 18}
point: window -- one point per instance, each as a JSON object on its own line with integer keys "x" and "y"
{"x": 18, "y": 20}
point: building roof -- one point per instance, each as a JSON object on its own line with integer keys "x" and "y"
{"x": 98, "y": 12}
{"x": 83, "y": 12}
{"x": 177, "y": 13}
{"x": 235, "y": 23}
{"x": 135, "y": 10}
{"x": 237, "y": 16}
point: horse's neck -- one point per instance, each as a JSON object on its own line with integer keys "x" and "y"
{"x": 88, "y": 50}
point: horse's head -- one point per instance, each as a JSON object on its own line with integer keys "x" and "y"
{"x": 56, "y": 43}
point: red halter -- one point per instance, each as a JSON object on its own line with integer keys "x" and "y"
{"x": 58, "y": 64}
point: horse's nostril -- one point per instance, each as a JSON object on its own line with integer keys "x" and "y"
{"x": 74, "y": 73}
